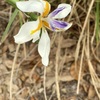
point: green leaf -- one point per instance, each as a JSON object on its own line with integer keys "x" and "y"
{"x": 97, "y": 0}
{"x": 5, "y": 34}
{"x": 12, "y": 2}
{"x": 97, "y": 20}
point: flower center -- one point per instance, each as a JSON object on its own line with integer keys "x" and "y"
{"x": 45, "y": 24}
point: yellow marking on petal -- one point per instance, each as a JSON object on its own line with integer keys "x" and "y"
{"x": 38, "y": 28}
{"x": 46, "y": 9}
{"x": 45, "y": 24}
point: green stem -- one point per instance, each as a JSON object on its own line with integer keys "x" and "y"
{"x": 12, "y": 2}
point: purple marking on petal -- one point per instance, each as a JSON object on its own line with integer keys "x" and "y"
{"x": 52, "y": 26}
{"x": 59, "y": 24}
{"x": 55, "y": 24}
{"x": 56, "y": 11}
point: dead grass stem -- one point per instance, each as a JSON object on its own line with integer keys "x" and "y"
{"x": 57, "y": 67}
{"x": 81, "y": 64}
{"x": 86, "y": 48}
{"x": 44, "y": 82}
{"x": 12, "y": 72}
{"x": 82, "y": 32}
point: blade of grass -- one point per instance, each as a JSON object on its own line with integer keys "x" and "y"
{"x": 5, "y": 34}
{"x": 97, "y": 21}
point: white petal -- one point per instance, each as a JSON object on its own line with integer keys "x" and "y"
{"x": 69, "y": 25}
{"x": 45, "y": 60}
{"x": 36, "y": 36}
{"x": 63, "y": 13}
{"x": 44, "y": 47}
{"x": 30, "y": 6}
{"x": 24, "y": 33}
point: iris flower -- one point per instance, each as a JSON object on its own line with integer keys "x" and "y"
{"x": 36, "y": 30}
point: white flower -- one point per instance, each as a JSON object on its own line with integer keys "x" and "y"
{"x": 31, "y": 30}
